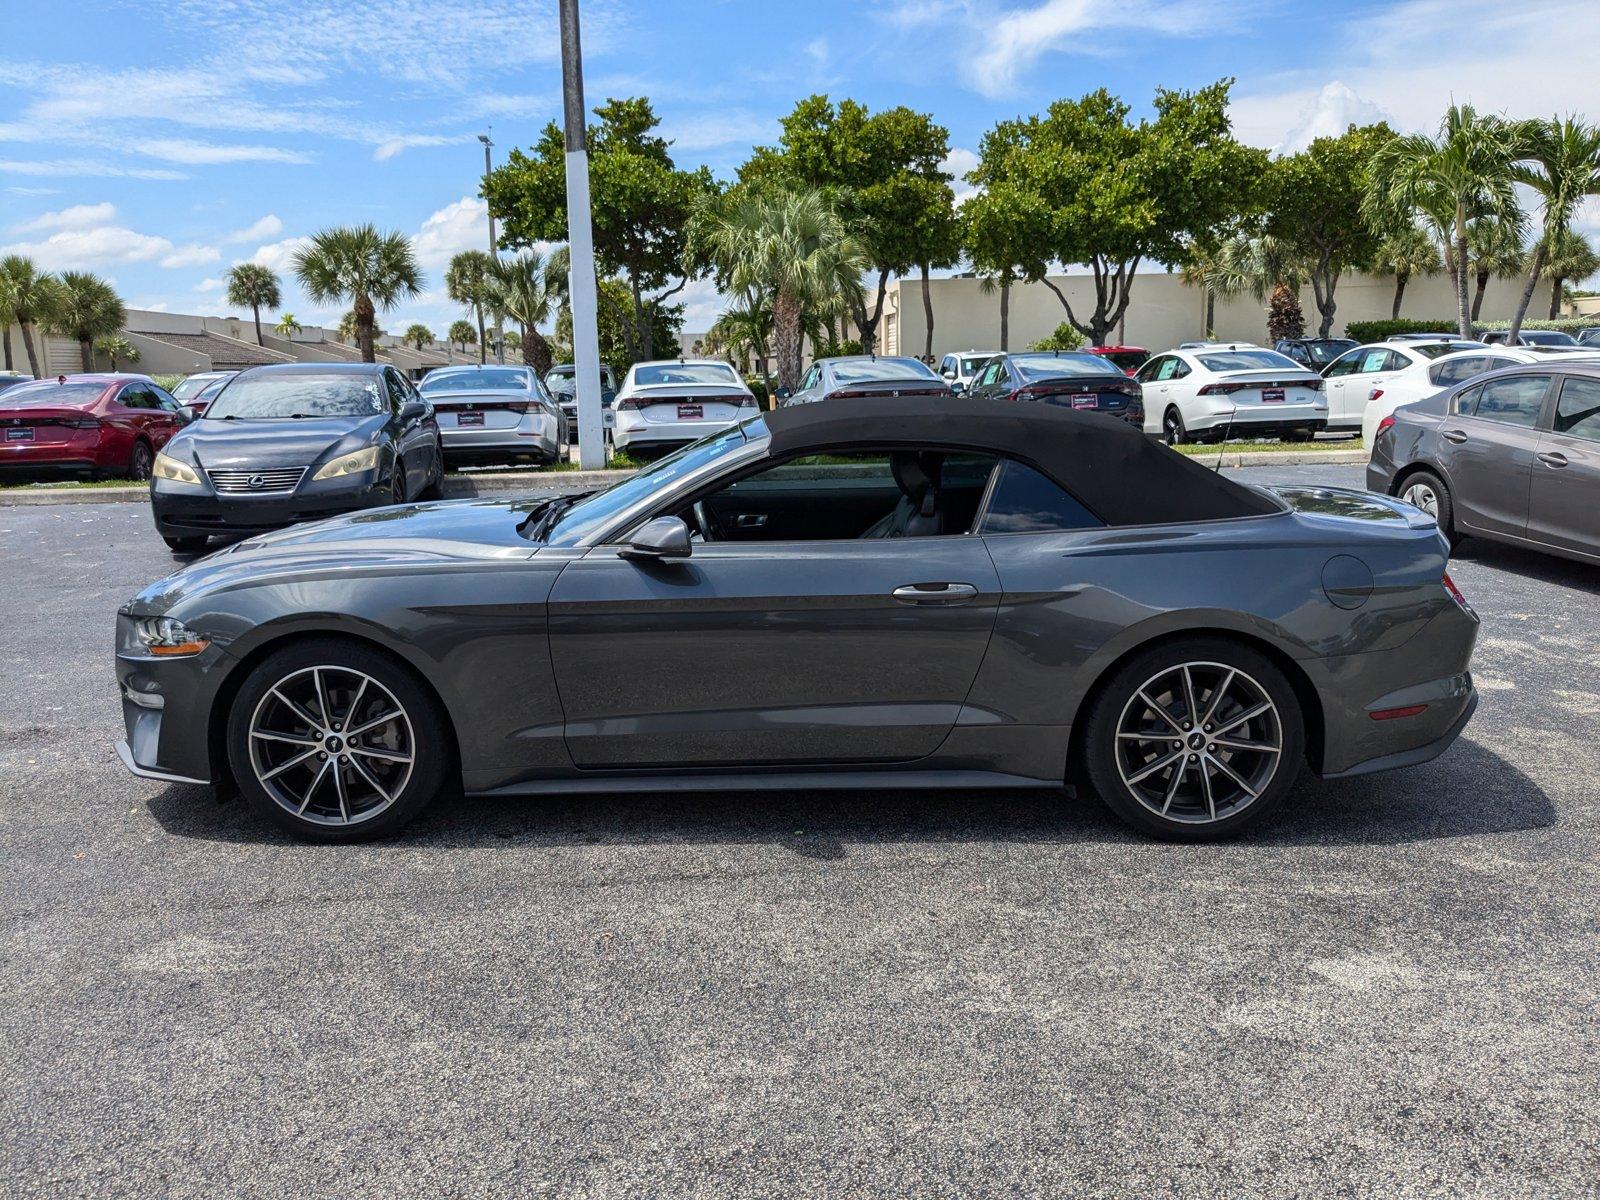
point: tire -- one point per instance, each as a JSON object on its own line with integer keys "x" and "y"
{"x": 350, "y": 804}
{"x": 1218, "y": 790}
{"x": 435, "y": 489}
{"x": 1300, "y": 435}
{"x": 140, "y": 461}
{"x": 1425, "y": 490}
{"x": 1172, "y": 428}
{"x": 185, "y": 545}
{"x": 397, "y": 482}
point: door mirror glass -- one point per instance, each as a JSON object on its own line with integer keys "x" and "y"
{"x": 413, "y": 410}
{"x": 187, "y": 413}
{"x": 664, "y": 537}
{"x": 783, "y": 393}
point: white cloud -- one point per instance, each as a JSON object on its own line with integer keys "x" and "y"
{"x": 267, "y": 226}
{"x": 71, "y": 249}
{"x": 959, "y": 163}
{"x": 390, "y": 147}
{"x": 279, "y": 256}
{"x": 463, "y": 225}
{"x": 83, "y": 166}
{"x": 78, "y": 216}
{"x": 192, "y": 255}
{"x": 188, "y": 150}
{"x": 1335, "y": 109}
{"x": 34, "y": 191}
{"x": 720, "y": 128}
{"x": 209, "y": 285}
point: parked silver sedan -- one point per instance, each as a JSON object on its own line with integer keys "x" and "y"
{"x": 493, "y": 413}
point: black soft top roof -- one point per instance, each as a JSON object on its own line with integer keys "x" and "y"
{"x": 1124, "y": 477}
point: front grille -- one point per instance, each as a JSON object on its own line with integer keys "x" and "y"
{"x": 275, "y": 479}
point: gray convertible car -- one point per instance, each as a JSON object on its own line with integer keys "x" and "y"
{"x": 890, "y": 593}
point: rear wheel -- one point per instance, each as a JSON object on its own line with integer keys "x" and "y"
{"x": 1172, "y": 428}
{"x": 1194, "y": 740}
{"x": 140, "y": 462}
{"x": 334, "y": 741}
{"x": 1427, "y": 491}
{"x": 397, "y": 482}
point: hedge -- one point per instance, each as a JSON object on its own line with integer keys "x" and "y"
{"x": 1377, "y": 331}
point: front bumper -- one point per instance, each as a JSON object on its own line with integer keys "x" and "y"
{"x": 166, "y": 711}
{"x": 184, "y": 510}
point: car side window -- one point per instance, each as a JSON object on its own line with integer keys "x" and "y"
{"x": 1447, "y": 374}
{"x": 1179, "y": 369}
{"x": 811, "y": 378}
{"x": 396, "y": 393}
{"x": 1345, "y": 364}
{"x": 1514, "y": 401}
{"x": 1397, "y": 361}
{"x": 1147, "y": 373}
{"x": 1002, "y": 377}
{"x": 1578, "y": 408}
{"x": 1024, "y": 501}
{"x": 990, "y": 370}
{"x": 136, "y": 395}
{"x": 1465, "y": 401}
{"x": 947, "y": 367}
{"x": 165, "y": 400}
{"x": 1373, "y": 361}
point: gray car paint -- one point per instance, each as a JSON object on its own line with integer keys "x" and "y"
{"x": 1521, "y": 484}
{"x": 567, "y": 666}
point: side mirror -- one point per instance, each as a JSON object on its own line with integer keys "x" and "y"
{"x": 957, "y": 387}
{"x": 413, "y": 410}
{"x": 188, "y": 413}
{"x": 662, "y": 538}
{"x": 783, "y": 393}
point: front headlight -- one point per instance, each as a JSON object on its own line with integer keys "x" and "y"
{"x": 349, "y": 464}
{"x": 167, "y": 637}
{"x": 167, "y": 467}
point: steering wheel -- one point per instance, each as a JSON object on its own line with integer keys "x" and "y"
{"x": 710, "y": 528}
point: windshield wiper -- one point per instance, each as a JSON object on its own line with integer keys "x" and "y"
{"x": 550, "y": 514}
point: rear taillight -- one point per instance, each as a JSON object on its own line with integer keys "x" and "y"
{"x": 628, "y": 405}
{"x": 1374, "y": 394}
{"x": 1386, "y": 423}
{"x": 1455, "y": 594}
{"x": 1221, "y": 389}
{"x": 81, "y": 422}
{"x": 1311, "y": 385}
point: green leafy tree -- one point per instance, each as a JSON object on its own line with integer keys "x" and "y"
{"x": 997, "y": 226}
{"x": 462, "y": 334}
{"x": 253, "y": 286}
{"x": 118, "y": 349}
{"x": 1562, "y": 168}
{"x": 30, "y": 296}
{"x": 86, "y": 308}
{"x": 1085, "y": 184}
{"x": 1461, "y": 174}
{"x": 1314, "y": 209}
{"x": 790, "y": 244}
{"x": 642, "y": 204}
{"x": 521, "y": 288}
{"x": 1064, "y": 337}
{"x": 743, "y": 329}
{"x": 619, "y": 341}
{"x": 417, "y": 336}
{"x": 373, "y": 270}
{"x": 514, "y": 342}
{"x": 287, "y": 326}
{"x": 466, "y": 281}
{"x": 1407, "y": 250}
{"x": 1572, "y": 257}
{"x": 883, "y": 173}
{"x": 1496, "y": 252}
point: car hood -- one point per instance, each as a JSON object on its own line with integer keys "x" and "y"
{"x": 276, "y": 443}
{"x": 404, "y": 537}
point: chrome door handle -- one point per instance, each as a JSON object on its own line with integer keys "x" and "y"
{"x": 1553, "y": 458}
{"x": 1454, "y": 435}
{"x": 935, "y": 593}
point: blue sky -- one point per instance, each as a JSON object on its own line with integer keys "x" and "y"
{"x": 158, "y": 143}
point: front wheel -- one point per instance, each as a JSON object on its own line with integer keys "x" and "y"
{"x": 334, "y": 741}
{"x": 1172, "y": 428}
{"x": 140, "y": 462}
{"x": 185, "y": 545}
{"x": 1194, "y": 740}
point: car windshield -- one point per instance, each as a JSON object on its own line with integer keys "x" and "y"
{"x": 193, "y": 386}
{"x": 869, "y": 369}
{"x": 1323, "y": 353}
{"x": 972, "y": 362}
{"x": 275, "y": 397}
{"x": 1435, "y": 349}
{"x": 1045, "y": 366}
{"x": 1127, "y": 360}
{"x": 1249, "y": 360}
{"x": 565, "y": 379}
{"x": 593, "y": 511}
{"x": 655, "y": 373}
{"x": 47, "y": 393}
{"x": 482, "y": 379}
{"x": 1548, "y": 337}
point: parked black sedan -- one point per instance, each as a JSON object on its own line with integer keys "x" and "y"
{"x": 891, "y": 593}
{"x": 295, "y": 442}
{"x": 1513, "y": 456}
{"x": 1085, "y": 382}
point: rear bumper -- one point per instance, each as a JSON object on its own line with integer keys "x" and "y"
{"x": 536, "y": 436}
{"x": 634, "y": 431}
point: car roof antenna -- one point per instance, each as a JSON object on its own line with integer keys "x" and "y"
{"x": 1221, "y": 445}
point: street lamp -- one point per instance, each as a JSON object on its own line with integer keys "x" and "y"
{"x": 494, "y": 250}
{"x": 581, "y": 285}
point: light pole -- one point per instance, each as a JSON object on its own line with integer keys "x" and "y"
{"x": 581, "y": 285}
{"x": 494, "y": 250}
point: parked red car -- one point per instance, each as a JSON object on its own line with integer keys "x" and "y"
{"x": 1127, "y": 358}
{"x": 86, "y": 425}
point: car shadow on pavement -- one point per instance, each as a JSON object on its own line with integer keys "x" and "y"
{"x": 1470, "y": 791}
{"x": 1516, "y": 560}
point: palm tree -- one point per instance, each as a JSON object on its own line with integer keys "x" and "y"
{"x": 1406, "y": 251}
{"x": 87, "y": 307}
{"x": 1562, "y": 169}
{"x": 1497, "y": 252}
{"x": 463, "y": 334}
{"x": 1462, "y": 174}
{"x": 371, "y": 269}
{"x": 466, "y": 281}
{"x": 521, "y": 288}
{"x": 745, "y": 329}
{"x": 256, "y": 286}
{"x": 1240, "y": 264}
{"x": 287, "y": 326}
{"x": 417, "y": 336}
{"x": 993, "y": 282}
{"x": 792, "y": 244}
{"x": 118, "y": 349}
{"x": 1571, "y": 258}
{"x": 30, "y": 295}
{"x": 6, "y": 320}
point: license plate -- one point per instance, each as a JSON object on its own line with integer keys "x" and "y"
{"x": 1272, "y": 395}
{"x": 691, "y": 412}
{"x": 1086, "y": 400}
{"x": 24, "y": 434}
{"x": 469, "y": 417}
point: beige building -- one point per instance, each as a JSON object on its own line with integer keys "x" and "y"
{"x": 1162, "y": 311}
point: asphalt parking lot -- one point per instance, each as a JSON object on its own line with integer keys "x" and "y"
{"x": 1394, "y": 988}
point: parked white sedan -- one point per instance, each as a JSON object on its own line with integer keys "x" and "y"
{"x": 1349, "y": 379}
{"x": 1214, "y": 391}
{"x": 666, "y": 404}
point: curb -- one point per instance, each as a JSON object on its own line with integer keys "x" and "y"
{"x": 460, "y": 487}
